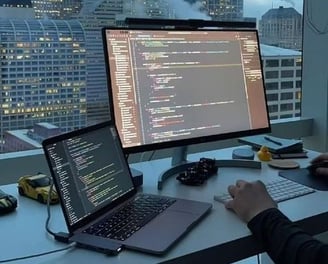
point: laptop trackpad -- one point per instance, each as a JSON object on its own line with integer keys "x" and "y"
{"x": 158, "y": 235}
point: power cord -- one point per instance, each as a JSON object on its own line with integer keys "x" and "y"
{"x": 38, "y": 254}
{"x": 60, "y": 236}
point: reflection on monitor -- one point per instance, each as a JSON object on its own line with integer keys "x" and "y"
{"x": 174, "y": 87}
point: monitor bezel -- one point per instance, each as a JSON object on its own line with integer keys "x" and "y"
{"x": 187, "y": 141}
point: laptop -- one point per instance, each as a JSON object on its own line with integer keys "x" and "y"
{"x": 94, "y": 183}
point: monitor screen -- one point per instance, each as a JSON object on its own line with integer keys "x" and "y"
{"x": 175, "y": 87}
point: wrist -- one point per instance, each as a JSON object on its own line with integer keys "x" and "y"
{"x": 257, "y": 213}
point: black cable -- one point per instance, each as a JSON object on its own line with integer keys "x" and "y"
{"x": 63, "y": 237}
{"x": 258, "y": 259}
{"x": 48, "y": 211}
{"x": 38, "y": 254}
{"x": 59, "y": 236}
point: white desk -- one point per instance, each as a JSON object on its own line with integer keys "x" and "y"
{"x": 220, "y": 238}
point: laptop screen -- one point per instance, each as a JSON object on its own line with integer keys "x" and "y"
{"x": 89, "y": 169}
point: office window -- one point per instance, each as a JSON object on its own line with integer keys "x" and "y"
{"x": 287, "y": 74}
{"x": 298, "y": 84}
{"x": 272, "y": 74}
{"x": 286, "y": 116}
{"x": 287, "y": 62}
{"x": 286, "y": 96}
{"x": 298, "y": 95}
{"x": 298, "y": 73}
{"x": 60, "y": 47}
{"x": 287, "y": 85}
{"x": 271, "y": 63}
{"x": 298, "y": 62}
{"x": 272, "y": 97}
{"x": 286, "y": 107}
{"x": 273, "y": 108}
{"x": 271, "y": 86}
{"x": 298, "y": 106}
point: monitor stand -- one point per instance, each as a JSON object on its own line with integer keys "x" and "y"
{"x": 179, "y": 164}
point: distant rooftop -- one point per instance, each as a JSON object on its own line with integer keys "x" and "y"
{"x": 272, "y": 51}
{"x": 47, "y": 125}
{"x": 281, "y": 12}
{"x": 23, "y": 135}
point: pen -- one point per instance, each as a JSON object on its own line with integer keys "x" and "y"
{"x": 273, "y": 141}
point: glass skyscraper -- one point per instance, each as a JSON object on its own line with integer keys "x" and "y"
{"x": 43, "y": 74}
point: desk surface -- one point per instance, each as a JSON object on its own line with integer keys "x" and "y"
{"x": 219, "y": 238}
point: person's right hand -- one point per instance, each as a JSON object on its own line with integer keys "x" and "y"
{"x": 321, "y": 171}
{"x": 249, "y": 199}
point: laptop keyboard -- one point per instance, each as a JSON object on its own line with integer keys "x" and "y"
{"x": 131, "y": 217}
{"x": 280, "y": 190}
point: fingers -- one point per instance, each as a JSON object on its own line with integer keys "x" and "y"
{"x": 240, "y": 183}
{"x": 322, "y": 171}
{"x": 229, "y": 204}
{"x": 320, "y": 158}
{"x": 232, "y": 189}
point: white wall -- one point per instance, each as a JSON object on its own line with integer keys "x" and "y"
{"x": 315, "y": 72}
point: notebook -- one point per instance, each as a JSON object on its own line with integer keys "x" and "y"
{"x": 275, "y": 145}
{"x": 94, "y": 181}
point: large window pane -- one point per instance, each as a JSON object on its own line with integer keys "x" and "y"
{"x": 52, "y": 69}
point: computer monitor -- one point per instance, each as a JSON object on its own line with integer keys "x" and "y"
{"x": 176, "y": 87}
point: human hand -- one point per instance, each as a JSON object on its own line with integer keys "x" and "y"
{"x": 321, "y": 171}
{"x": 249, "y": 199}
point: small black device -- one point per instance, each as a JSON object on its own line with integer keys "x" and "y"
{"x": 199, "y": 172}
{"x": 8, "y": 203}
{"x": 137, "y": 177}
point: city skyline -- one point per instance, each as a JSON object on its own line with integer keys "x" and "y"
{"x": 34, "y": 86}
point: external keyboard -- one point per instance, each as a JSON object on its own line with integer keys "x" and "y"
{"x": 280, "y": 190}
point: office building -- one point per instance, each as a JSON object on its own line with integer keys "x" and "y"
{"x": 282, "y": 73}
{"x": 43, "y": 74}
{"x": 147, "y": 8}
{"x": 94, "y": 16}
{"x": 224, "y": 9}
{"x": 56, "y": 9}
{"x": 22, "y": 9}
{"x": 281, "y": 27}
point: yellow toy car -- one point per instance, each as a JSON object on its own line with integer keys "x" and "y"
{"x": 37, "y": 187}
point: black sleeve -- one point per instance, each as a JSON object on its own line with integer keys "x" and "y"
{"x": 284, "y": 241}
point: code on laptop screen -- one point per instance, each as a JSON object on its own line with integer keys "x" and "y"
{"x": 90, "y": 171}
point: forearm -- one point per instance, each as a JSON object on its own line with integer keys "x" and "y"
{"x": 284, "y": 241}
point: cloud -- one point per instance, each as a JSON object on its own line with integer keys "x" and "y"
{"x": 183, "y": 10}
